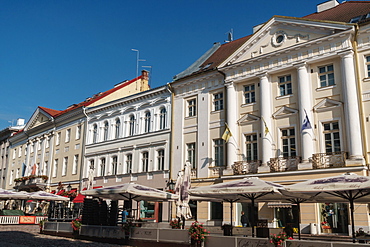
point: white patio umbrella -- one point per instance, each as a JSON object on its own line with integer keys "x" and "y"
{"x": 15, "y": 195}
{"x": 130, "y": 191}
{"x": 252, "y": 189}
{"x": 42, "y": 195}
{"x": 347, "y": 187}
{"x": 183, "y": 184}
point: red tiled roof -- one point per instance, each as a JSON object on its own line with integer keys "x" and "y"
{"x": 343, "y": 12}
{"x": 56, "y": 113}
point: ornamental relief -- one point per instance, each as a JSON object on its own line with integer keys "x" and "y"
{"x": 278, "y": 39}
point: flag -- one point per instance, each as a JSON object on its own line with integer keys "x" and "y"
{"x": 306, "y": 123}
{"x": 227, "y": 133}
{"x": 266, "y": 128}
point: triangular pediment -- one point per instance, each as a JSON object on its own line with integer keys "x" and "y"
{"x": 39, "y": 117}
{"x": 326, "y": 104}
{"x": 247, "y": 118}
{"x": 280, "y": 33}
{"x": 284, "y": 112}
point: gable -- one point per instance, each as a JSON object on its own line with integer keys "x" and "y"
{"x": 284, "y": 112}
{"x": 280, "y": 33}
{"x": 248, "y": 118}
{"x": 326, "y": 104}
{"x": 39, "y": 117}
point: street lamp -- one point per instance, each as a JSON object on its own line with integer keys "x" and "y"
{"x": 69, "y": 188}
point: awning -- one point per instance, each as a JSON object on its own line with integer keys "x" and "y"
{"x": 279, "y": 205}
{"x": 60, "y": 192}
{"x": 79, "y": 198}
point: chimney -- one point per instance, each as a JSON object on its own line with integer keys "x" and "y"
{"x": 20, "y": 122}
{"x": 144, "y": 75}
{"x": 326, "y": 5}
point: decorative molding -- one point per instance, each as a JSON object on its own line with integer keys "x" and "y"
{"x": 327, "y": 104}
{"x": 284, "y": 112}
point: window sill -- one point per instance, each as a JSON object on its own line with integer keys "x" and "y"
{"x": 218, "y": 111}
{"x": 325, "y": 88}
{"x": 284, "y": 96}
{"x": 186, "y": 118}
{"x": 367, "y": 79}
{"x": 249, "y": 104}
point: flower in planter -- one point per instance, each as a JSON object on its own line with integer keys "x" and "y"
{"x": 175, "y": 224}
{"x": 76, "y": 224}
{"x": 278, "y": 239}
{"x": 198, "y": 232}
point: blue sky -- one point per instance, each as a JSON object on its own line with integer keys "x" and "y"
{"x": 57, "y": 53}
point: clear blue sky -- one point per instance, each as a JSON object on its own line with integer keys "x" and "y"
{"x": 55, "y": 53}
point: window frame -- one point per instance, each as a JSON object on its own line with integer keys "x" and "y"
{"x": 129, "y": 163}
{"x": 251, "y": 146}
{"x": 250, "y": 94}
{"x": 114, "y": 165}
{"x": 132, "y": 121}
{"x": 219, "y": 151}
{"x": 192, "y": 107}
{"x": 106, "y": 131}
{"x": 145, "y": 161}
{"x": 147, "y": 121}
{"x": 287, "y": 141}
{"x": 285, "y": 85}
{"x": 326, "y": 74}
{"x": 117, "y": 128}
{"x": 162, "y": 118}
{"x": 191, "y": 154}
{"x": 334, "y": 134}
{"x": 218, "y": 101}
{"x": 160, "y": 159}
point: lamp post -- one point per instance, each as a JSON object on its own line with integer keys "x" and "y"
{"x": 69, "y": 187}
{"x": 171, "y": 186}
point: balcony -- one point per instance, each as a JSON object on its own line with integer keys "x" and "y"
{"x": 328, "y": 160}
{"x": 282, "y": 164}
{"x": 30, "y": 183}
{"x": 245, "y": 167}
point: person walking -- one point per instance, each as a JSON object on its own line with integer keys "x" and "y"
{"x": 244, "y": 219}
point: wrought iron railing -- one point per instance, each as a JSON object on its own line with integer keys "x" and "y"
{"x": 282, "y": 164}
{"x": 245, "y": 167}
{"x": 328, "y": 160}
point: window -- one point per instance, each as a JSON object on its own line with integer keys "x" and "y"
{"x": 58, "y": 139}
{"x": 11, "y": 177}
{"x": 218, "y": 101}
{"x": 65, "y": 165}
{"x": 368, "y": 65}
{"x": 106, "y": 126}
{"x": 46, "y": 168}
{"x": 68, "y": 135}
{"x": 17, "y": 174}
{"x": 162, "y": 118}
{"x": 75, "y": 164}
{"x": 129, "y": 163}
{"x": 191, "y": 154}
{"x": 192, "y": 107}
{"x": 14, "y": 153}
{"x": 55, "y": 170}
{"x": 326, "y": 75}
{"x": 114, "y": 165}
{"x": 147, "y": 120}
{"x": 145, "y": 161}
{"x": 249, "y": 94}
{"x": 102, "y": 167}
{"x": 95, "y": 133}
{"x": 92, "y": 165}
{"x": 118, "y": 127}
{"x": 132, "y": 125}
{"x": 288, "y": 141}
{"x": 78, "y": 132}
{"x": 332, "y": 138}
{"x": 160, "y": 159}
{"x": 251, "y": 147}
{"x": 20, "y": 151}
{"x": 216, "y": 210}
{"x": 219, "y": 152}
{"x": 285, "y": 85}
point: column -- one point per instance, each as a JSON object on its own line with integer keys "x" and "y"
{"x": 351, "y": 107}
{"x": 231, "y": 119}
{"x": 265, "y": 107}
{"x": 305, "y": 106}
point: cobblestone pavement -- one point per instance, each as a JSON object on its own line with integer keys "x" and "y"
{"x": 29, "y": 236}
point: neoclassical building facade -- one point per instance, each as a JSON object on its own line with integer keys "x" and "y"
{"x": 128, "y": 140}
{"x": 294, "y": 96}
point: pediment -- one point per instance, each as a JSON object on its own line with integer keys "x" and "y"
{"x": 247, "y": 118}
{"x": 280, "y": 33}
{"x": 327, "y": 104}
{"x": 39, "y": 117}
{"x": 284, "y": 112}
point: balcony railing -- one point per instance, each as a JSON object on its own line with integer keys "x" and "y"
{"x": 245, "y": 167}
{"x": 282, "y": 164}
{"x": 328, "y": 160}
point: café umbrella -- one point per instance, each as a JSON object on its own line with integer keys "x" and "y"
{"x": 42, "y": 195}
{"x": 251, "y": 189}
{"x": 348, "y": 187}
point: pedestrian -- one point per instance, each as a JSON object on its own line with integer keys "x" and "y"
{"x": 244, "y": 219}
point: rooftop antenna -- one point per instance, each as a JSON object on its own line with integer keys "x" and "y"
{"x": 137, "y": 63}
{"x": 150, "y": 74}
{"x": 229, "y": 36}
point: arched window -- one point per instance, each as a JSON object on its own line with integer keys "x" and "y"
{"x": 145, "y": 161}
{"x": 118, "y": 126}
{"x": 160, "y": 159}
{"x": 106, "y": 126}
{"x": 147, "y": 122}
{"x": 129, "y": 163}
{"x": 114, "y": 165}
{"x": 132, "y": 125}
{"x": 95, "y": 133}
{"x": 162, "y": 118}
{"x": 102, "y": 167}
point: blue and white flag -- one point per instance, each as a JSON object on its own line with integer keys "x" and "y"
{"x": 306, "y": 123}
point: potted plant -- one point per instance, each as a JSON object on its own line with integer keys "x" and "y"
{"x": 198, "y": 233}
{"x": 76, "y": 225}
{"x": 278, "y": 239}
{"x": 175, "y": 224}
